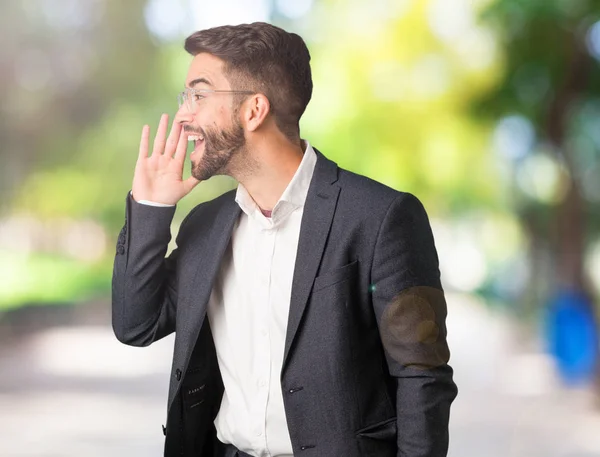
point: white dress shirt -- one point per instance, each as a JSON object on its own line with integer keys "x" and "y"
{"x": 248, "y": 314}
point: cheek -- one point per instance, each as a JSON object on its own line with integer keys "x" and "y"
{"x": 210, "y": 115}
{"x": 224, "y": 115}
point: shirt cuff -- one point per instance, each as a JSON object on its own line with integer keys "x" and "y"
{"x": 151, "y": 203}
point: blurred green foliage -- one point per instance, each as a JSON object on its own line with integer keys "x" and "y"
{"x": 551, "y": 81}
{"x": 375, "y": 110}
{"x": 40, "y": 279}
{"x": 399, "y": 96}
{"x": 391, "y": 101}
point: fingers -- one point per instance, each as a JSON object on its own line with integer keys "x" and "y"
{"x": 173, "y": 139}
{"x": 143, "y": 154}
{"x": 161, "y": 135}
{"x": 181, "y": 150}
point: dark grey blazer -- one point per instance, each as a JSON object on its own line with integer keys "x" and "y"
{"x": 365, "y": 369}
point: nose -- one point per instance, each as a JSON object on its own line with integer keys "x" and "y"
{"x": 183, "y": 115}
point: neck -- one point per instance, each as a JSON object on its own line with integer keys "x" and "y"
{"x": 274, "y": 166}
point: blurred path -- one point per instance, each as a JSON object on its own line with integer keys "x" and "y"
{"x": 511, "y": 402}
{"x": 75, "y": 391}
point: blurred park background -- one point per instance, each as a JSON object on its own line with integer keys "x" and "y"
{"x": 487, "y": 110}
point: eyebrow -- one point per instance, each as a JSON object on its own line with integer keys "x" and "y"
{"x": 199, "y": 81}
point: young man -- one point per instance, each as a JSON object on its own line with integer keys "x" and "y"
{"x": 307, "y": 307}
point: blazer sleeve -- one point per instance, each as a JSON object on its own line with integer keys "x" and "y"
{"x": 144, "y": 282}
{"x": 411, "y": 312}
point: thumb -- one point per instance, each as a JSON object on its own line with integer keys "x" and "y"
{"x": 190, "y": 183}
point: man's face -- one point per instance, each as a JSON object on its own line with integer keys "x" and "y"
{"x": 210, "y": 119}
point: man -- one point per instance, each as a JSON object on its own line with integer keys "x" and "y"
{"x": 307, "y": 307}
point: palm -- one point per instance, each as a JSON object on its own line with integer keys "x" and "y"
{"x": 159, "y": 177}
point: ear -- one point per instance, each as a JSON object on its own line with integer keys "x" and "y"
{"x": 254, "y": 112}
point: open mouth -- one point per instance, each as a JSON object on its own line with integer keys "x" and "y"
{"x": 198, "y": 141}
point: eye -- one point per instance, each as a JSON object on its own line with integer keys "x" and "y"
{"x": 197, "y": 97}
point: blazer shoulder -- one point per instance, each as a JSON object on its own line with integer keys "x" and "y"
{"x": 358, "y": 187}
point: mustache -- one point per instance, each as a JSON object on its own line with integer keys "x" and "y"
{"x": 190, "y": 129}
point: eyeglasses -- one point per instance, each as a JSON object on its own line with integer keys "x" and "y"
{"x": 191, "y": 97}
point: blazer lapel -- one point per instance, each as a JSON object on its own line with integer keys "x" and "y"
{"x": 208, "y": 255}
{"x": 319, "y": 209}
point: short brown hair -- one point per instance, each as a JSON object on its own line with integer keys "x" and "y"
{"x": 263, "y": 58}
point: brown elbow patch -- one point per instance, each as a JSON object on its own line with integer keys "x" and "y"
{"x": 413, "y": 328}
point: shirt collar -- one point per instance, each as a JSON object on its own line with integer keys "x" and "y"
{"x": 293, "y": 197}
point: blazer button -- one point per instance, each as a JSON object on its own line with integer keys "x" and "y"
{"x": 164, "y": 429}
{"x": 178, "y": 374}
{"x": 121, "y": 249}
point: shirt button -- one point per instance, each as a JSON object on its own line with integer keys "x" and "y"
{"x": 263, "y": 332}
{"x": 259, "y": 433}
{"x": 262, "y": 383}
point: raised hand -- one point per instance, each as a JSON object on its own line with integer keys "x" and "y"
{"x": 159, "y": 177}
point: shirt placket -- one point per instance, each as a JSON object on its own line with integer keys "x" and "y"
{"x": 263, "y": 335}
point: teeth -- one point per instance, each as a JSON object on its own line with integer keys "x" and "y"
{"x": 195, "y": 138}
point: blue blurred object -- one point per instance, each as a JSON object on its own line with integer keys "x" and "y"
{"x": 573, "y": 336}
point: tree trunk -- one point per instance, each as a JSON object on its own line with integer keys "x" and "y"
{"x": 570, "y": 222}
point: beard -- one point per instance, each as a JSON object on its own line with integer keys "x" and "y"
{"x": 220, "y": 146}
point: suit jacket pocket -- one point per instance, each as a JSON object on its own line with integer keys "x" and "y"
{"x": 193, "y": 389}
{"x": 332, "y": 277}
{"x": 378, "y": 440}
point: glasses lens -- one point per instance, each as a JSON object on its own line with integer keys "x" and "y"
{"x": 185, "y": 98}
